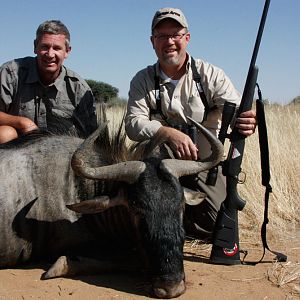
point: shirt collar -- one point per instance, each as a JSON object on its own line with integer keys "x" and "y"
{"x": 188, "y": 65}
{"x": 59, "y": 83}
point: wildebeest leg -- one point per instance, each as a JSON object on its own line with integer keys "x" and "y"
{"x": 67, "y": 267}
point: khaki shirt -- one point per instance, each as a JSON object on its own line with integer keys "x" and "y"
{"x": 178, "y": 101}
{"x": 65, "y": 105}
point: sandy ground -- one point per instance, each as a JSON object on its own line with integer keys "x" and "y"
{"x": 204, "y": 280}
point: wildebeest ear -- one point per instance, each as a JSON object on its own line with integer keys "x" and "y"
{"x": 98, "y": 204}
{"x": 193, "y": 197}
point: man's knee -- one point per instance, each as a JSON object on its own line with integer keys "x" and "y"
{"x": 7, "y": 133}
{"x": 199, "y": 220}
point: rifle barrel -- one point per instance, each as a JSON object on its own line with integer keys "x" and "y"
{"x": 242, "y": 107}
{"x": 259, "y": 34}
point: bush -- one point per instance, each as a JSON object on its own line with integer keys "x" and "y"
{"x": 103, "y": 92}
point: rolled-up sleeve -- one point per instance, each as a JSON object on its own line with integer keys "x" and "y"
{"x": 6, "y": 87}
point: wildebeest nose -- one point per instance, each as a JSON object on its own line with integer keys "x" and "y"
{"x": 171, "y": 291}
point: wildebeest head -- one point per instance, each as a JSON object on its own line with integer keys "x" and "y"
{"x": 155, "y": 200}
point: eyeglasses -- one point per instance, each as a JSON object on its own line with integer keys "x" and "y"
{"x": 174, "y": 37}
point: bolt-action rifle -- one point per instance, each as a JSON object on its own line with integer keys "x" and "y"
{"x": 225, "y": 248}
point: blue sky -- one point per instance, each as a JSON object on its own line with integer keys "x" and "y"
{"x": 110, "y": 39}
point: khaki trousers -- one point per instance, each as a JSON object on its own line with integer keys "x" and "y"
{"x": 199, "y": 220}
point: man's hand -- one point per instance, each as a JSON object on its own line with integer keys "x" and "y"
{"x": 246, "y": 122}
{"x": 181, "y": 144}
{"x": 21, "y": 124}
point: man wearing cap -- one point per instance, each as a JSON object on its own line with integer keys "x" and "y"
{"x": 163, "y": 94}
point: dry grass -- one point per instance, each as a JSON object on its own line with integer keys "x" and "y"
{"x": 284, "y": 144}
{"x": 286, "y": 274}
{"x": 284, "y": 208}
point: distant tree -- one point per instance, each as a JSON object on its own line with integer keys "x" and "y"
{"x": 296, "y": 100}
{"x": 103, "y": 92}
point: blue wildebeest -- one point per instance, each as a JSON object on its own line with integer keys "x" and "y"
{"x": 111, "y": 196}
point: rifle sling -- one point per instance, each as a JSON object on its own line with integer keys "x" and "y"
{"x": 265, "y": 172}
{"x": 197, "y": 79}
{"x": 265, "y": 175}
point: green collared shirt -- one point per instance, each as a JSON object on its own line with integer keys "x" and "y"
{"x": 66, "y": 105}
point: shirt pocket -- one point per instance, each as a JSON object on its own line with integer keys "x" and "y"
{"x": 196, "y": 108}
{"x": 27, "y": 109}
{"x": 62, "y": 108}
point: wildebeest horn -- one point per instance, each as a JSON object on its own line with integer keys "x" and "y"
{"x": 127, "y": 171}
{"x": 192, "y": 167}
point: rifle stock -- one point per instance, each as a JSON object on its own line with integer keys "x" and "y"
{"x": 225, "y": 249}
